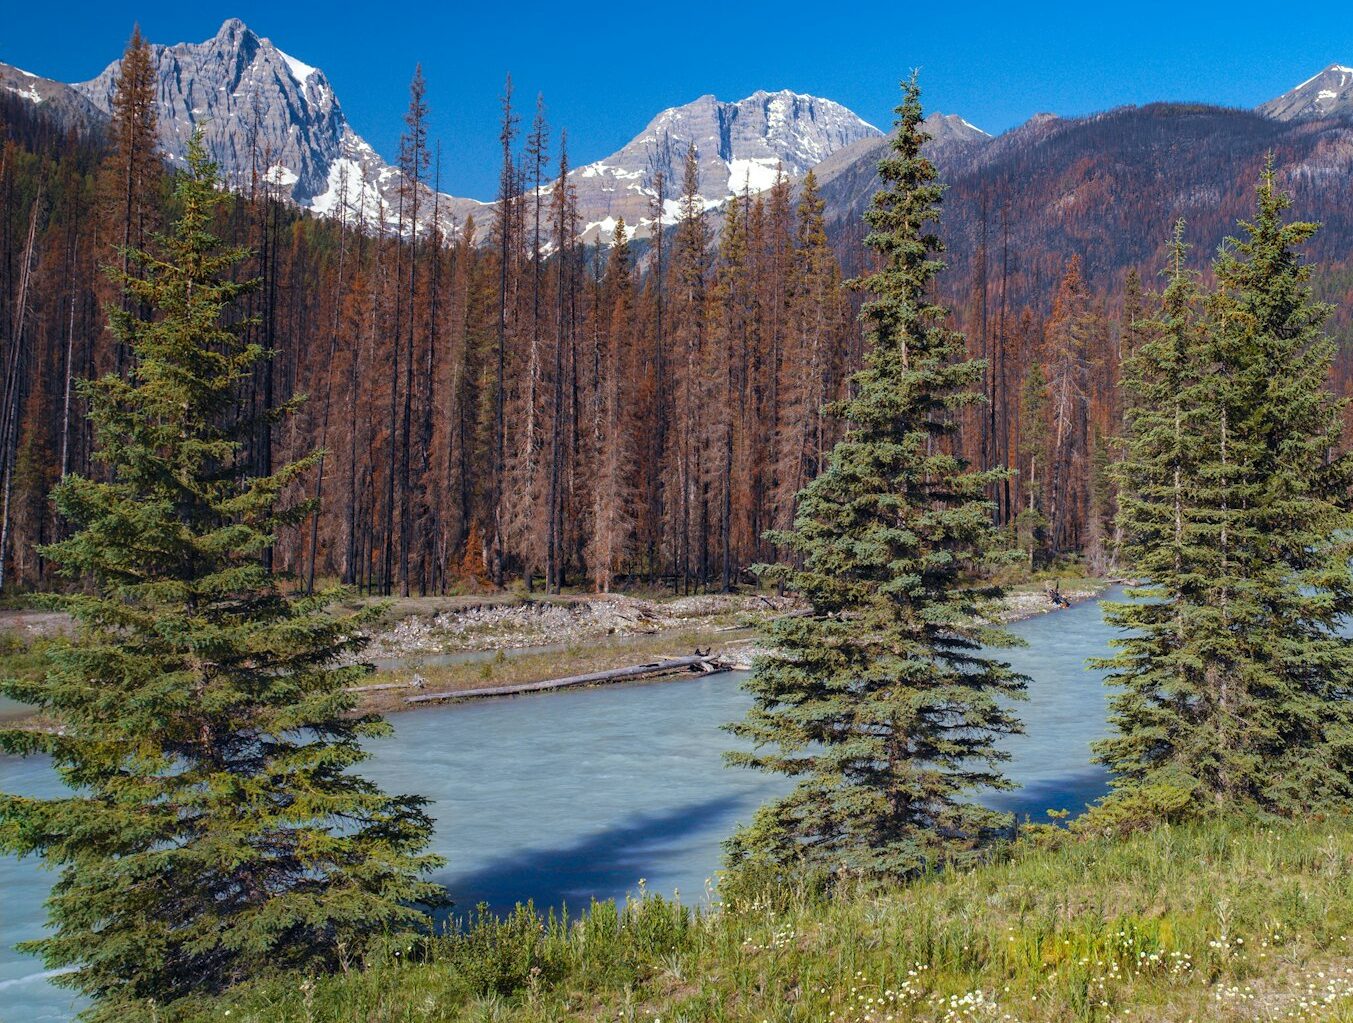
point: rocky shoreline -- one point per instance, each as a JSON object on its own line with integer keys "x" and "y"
{"x": 565, "y": 623}
{"x": 471, "y": 643}
{"x": 570, "y": 627}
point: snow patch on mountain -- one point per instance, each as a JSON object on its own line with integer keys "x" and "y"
{"x": 280, "y": 176}
{"x": 31, "y": 93}
{"x": 26, "y": 90}
{"x": 1328, "y": 94}
{"x": 300, "y": 70}
{"x": 755, "y": 174}
{"x": 343, "y": 184}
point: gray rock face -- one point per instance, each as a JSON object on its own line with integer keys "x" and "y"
{"x": 269, "y": 116}
{"x": 741, "y": 145}
{"x": 1328, "y": 94}
{"x": 262, "y": 111}
{"x": 62, "y": 103}
{"x": 266, "y": 114}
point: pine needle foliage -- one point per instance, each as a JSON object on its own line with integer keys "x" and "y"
{"x": 1237, "y": 683}
{"x": 881, "y": 702}
{"x": 1169, "y": 537}
{"x": 213, "y": 833}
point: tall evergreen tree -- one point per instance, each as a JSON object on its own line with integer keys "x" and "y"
{"x": 1247, "y": 703}
{"x": 214, "y": 832}
{"x": 1281, "y": 670}
{"x": 1169, "y": 537}
{"x": 881, "y": 702}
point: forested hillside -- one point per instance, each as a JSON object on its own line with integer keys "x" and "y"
{"x": 1108, "y": 188}
{"x": 482, "y": 410}
{"x": 508, "y": 400}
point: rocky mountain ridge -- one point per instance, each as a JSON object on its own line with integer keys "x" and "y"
{"x": 270, "y": 118}
{"x": 742, "y": 145}
{"x": 1327, "y": 94}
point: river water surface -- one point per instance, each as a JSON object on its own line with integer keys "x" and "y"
{"x": 562, "y": 797}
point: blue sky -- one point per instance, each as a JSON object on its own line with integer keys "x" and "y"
{"x": 605, "y": 69}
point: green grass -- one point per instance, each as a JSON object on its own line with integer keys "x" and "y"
{"x": 21, "y": 658}
{"x": 1205, "y": 922}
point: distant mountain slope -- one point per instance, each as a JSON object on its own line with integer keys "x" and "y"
{"x": 1109, "y": 188}
{"x": 738, "y": 145}
{"x": 59, "y": 102}
{"x": 1328, "y": 94}
{"x": 849, "y": 177}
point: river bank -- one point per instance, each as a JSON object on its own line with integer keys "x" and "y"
{"x": 1223, "y": 921}
{"x": 501, "y": 644}
{"x": 437, "y": 644}
{"x": 434, "y": 626}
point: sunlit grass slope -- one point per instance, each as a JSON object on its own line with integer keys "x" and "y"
{"x": 1218, "y": 922}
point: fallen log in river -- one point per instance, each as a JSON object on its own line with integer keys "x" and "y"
{"x": 702, "y": 663}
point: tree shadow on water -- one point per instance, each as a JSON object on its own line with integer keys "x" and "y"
{"x": 1074, "y": 791}
{"x": 610, "y": 863}
{"x": 602, "y": 865}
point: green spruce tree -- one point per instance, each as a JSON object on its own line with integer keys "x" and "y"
{"x": 1280, "y": 669}
{"x": 1170, "y": 538}
{"x": 1238, "y": 687}
{"x": 213, "y": 832}
{"x": 881, "y": 703}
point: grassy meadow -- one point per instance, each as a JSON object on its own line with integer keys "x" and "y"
{"x": 1218, "y": 922}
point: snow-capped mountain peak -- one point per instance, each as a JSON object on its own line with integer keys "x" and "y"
{"x": 268, "y": 114}
{"x": 1327, "y": 94}
{"x": 740, "y": 146}
{"x": 262, "y": 111}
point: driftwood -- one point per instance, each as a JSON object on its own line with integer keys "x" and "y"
{"x": 697, "y": 662}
